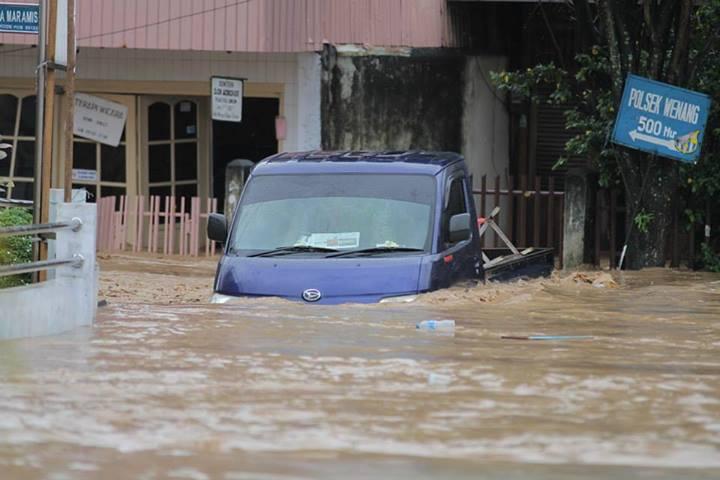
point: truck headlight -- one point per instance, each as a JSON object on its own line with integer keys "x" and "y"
{"x": 399, "y": 299}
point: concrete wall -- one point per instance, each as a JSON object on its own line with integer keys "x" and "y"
{"x": 485, "y": 125}
{"x": 430, "y": 100}
{"x": 309, "y": 75}
{"x": 485, "y": 120}
{"x": 65, "y": 302}
{"x": 392, "y": 102}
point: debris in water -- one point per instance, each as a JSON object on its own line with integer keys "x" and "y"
{"x": 547, "y": 337}
{"x": 436, "y": 325}
{"x": 596, "y": 279}
{"x": 439, "y": 379}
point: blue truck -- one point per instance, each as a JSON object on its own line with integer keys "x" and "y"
{"x": 358, "y": 227}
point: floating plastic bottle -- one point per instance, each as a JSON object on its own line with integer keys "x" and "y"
{"x": 436, "y": 325}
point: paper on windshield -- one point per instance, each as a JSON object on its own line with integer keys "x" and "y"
{"x": 334, "y": 240}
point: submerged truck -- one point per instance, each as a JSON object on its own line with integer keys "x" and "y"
{"x": 359, "y": 227}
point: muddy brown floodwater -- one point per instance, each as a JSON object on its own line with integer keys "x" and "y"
{"x": 165, "y": 386}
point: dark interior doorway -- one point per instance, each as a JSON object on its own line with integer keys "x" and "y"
{"x": 252, "y": 139}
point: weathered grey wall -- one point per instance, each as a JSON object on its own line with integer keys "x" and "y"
{"x": 382, "y": 102}
{"x": 578, "y": 238}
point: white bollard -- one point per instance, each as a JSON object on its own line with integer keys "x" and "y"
{"x": 79, "y": 243}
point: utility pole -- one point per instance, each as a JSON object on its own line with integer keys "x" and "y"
{"x": 49, "y": 116}
{"x": 70, "y": 98}
{"x": 49, "y": 113}
{"x": 39, "y": 114}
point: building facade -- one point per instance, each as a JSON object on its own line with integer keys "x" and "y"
{"x": 156, "y": 57}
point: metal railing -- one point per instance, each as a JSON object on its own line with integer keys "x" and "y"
{"x": 75, "y": 261}
{"x": 10, "y": 203}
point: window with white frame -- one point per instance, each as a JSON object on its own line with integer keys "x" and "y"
{"x": 17, "y": 129}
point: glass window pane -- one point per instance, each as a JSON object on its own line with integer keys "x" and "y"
{"x": 116, "y": 192}
{"x": 185, "y": 120}
{"x": 8, "y": 113}
{"x": 162, "y": 192}
{"x": 90, "y": 189}
{"x": 85, "y": 156}
{"x": 187, "y": 191}
{"x": 27, "y": 117}
{"x": 159, "y": 121}
{"x": 5, "y": 163}
{"x": 22, "y": 191}
{"x": 159, "y": 163}
{"x": 25, "y": 159}
{"x": 113, "y": 163}
{"x": 186, "y": 161}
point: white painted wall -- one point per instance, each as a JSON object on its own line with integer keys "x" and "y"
{"x": 485, "y": 119}
{"x": 299, "y": 73}
{"x": 309, "y": 77}
{"x": 485, "y": 124}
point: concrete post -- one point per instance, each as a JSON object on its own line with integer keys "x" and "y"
{"x": 236, "y": 174}
{"x": 84, "y": 279}
{"x": 580, "y": 186}
{"x": 57, "y": 197}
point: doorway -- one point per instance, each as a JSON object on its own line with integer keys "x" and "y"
{"x": 173, "y": 142}
{"x": 252, "y": 139}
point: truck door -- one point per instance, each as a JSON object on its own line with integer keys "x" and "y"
{"x": 459, "y": 257}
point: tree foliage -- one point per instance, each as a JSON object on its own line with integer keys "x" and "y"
{"x": 674, "y": 41}
{"x": 15, "y": 249}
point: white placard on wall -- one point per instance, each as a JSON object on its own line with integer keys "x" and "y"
{"x": 227, "y": 97}
{"x": 98, "y": 119}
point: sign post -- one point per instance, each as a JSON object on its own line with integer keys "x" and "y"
{"x": 661, "y": 119}
{"x": 227, "y": 99}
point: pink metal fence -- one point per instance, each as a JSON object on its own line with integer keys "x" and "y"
{"x": 154, "y": 224}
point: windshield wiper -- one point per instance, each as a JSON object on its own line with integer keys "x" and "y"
{"x": 291, "y": 249}
{"x": 373, "y": 250}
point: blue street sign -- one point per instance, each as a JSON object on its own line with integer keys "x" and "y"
{"x": 663, "y": 119}
{"x": 19, "y": 18}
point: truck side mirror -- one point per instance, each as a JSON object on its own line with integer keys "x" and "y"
{"x": 459, "y": 227}
{"x": 217, "y": 227}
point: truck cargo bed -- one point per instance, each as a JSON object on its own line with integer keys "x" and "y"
{"x": 505, "y": 265}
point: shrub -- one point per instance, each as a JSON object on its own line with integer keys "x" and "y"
{"x": 15, "y": 249}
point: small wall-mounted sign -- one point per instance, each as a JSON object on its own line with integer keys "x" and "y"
{"x": 19, "y": 18}
{"x": 227, "y": 97}
{"x": 81, "y": 174}
{"x": 98, "y": 119}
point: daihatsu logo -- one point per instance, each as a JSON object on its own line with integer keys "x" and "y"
{"x": 311, "y": 295}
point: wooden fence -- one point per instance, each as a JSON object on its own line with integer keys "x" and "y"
{"x": 155, "y": 224}
{"x": 530, "y": 215}
{"x": 610, "y": 231}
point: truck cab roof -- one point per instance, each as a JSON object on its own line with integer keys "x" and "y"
{"x": 393, "y": 162}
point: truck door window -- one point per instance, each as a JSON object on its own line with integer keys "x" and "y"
{"x": 456, "y": 204}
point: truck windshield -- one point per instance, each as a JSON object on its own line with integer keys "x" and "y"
{"x": 334, "y": 212}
